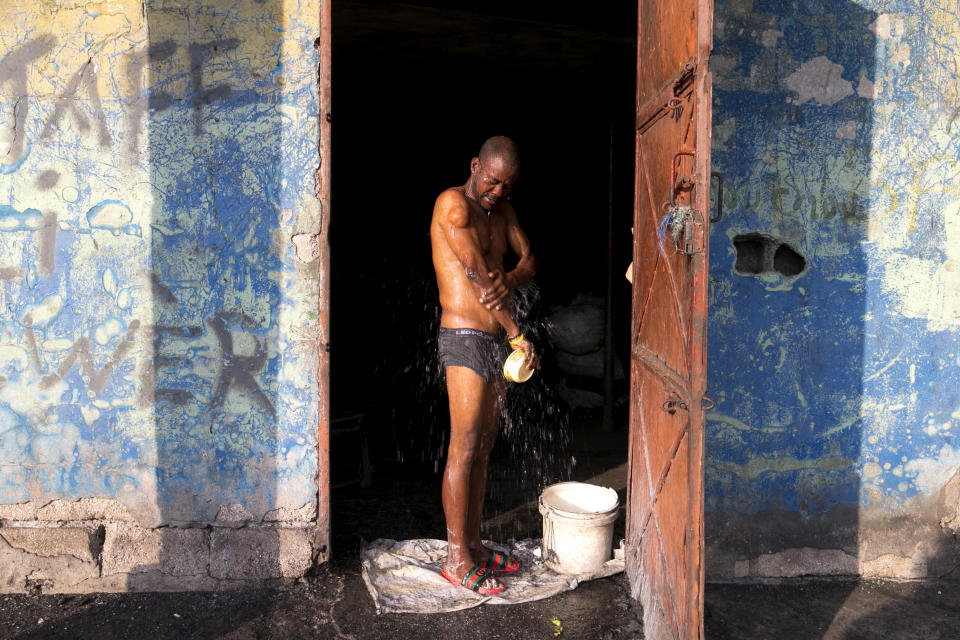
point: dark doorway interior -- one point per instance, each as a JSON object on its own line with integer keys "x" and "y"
{"x": 416, "y": 90}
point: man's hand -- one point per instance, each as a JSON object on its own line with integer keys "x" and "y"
{"x": 497, "y": 293}
{"x": 531, "y": 359}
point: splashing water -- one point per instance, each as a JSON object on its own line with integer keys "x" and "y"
{"x": 533, "y": 450}
{"x": 407, "y": 405}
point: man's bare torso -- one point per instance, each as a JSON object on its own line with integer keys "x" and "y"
{"x": 458, "y": 300}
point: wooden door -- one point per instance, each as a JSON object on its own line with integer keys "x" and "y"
{"x": 668, "y": 336}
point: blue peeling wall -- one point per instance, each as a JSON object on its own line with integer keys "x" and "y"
{"x": 158, "y": 327}
{"x": 835, "y": 370}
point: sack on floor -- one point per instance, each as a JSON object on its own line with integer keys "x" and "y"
{"x": 404, "y": 576}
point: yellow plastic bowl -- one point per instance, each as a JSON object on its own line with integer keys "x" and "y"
{"x": 514, "y": 370}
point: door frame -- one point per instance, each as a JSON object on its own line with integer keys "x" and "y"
{"x": 322, "y": 193}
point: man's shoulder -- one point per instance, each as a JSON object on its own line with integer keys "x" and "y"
{"x": 452, "y": 196}
{"x": 452, "y": 207}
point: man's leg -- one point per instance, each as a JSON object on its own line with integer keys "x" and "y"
{"x": 490, "y": 419}
{"x": 468, "y": 418}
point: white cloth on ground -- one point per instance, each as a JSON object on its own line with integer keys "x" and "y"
{"x": 404, "y": 576}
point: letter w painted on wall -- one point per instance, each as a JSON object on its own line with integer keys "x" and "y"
{"x": 80, "y": 352}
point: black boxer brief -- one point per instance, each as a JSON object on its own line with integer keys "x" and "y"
{"x": 482, "y": 352}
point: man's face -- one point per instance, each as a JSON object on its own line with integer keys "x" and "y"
{"x": 494, "y": 181}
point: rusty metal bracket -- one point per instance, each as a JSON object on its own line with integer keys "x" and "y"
{"x": 660, "y": 102}
{"x": 687, "y": 181}
{"x": 672, "y": 403}
{"x": 707, "y": 404}
{"x": 691, "y": 231}
{"x": 685, "y": 78}
{"x": 675, "y": 107}
{"x": 719, "y": 177}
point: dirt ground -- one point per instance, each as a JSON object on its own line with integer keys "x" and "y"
{"x": 335, "y": 604}
{"x": 328, "y": 605}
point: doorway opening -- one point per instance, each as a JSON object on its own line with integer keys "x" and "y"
{"x": 416, "y": 90}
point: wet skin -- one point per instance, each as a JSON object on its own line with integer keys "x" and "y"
{"x": 472, "y": 228}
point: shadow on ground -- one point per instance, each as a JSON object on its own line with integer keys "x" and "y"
{"x": 833, "y": 610}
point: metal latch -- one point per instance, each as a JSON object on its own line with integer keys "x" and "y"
{"x": 681, "y": 219}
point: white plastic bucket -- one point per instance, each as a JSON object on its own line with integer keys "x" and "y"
{"x": 577, "y": 526}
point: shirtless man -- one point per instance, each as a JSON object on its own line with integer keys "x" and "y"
{"x": 471, "y": 229}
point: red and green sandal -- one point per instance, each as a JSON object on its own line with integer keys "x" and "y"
{"x": 501, "y": 563}
{"x": 476, "y": 577}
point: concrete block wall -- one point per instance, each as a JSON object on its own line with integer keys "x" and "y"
{"x": 96, "y": 545}
{"x": 159, "y": 292}
{"x": 835, "y": 290}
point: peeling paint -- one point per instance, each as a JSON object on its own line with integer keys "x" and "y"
{"x": 847, "y": 131}
{"x": 841, "y": 393}
{"x": 769, "y": 37}
{"x": 905, "y": 274}
{"x": 819, "y": 80}
{"x": 307, "y": 247}
{"x": 152, "y": 323}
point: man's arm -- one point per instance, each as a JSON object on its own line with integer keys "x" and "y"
{"x": 527, "y": 266}
{"x": 465, "y": 243}
{"x": 494, "y": 296}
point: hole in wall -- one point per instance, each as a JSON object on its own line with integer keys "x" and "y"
{"x": 749, "y": 254}
{"x": 759, "y": 254}
{"x": 788, "y": 262}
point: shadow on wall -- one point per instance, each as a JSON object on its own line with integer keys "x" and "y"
{"x": 793, "y": 109}
{"x": 212, "y": 84}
